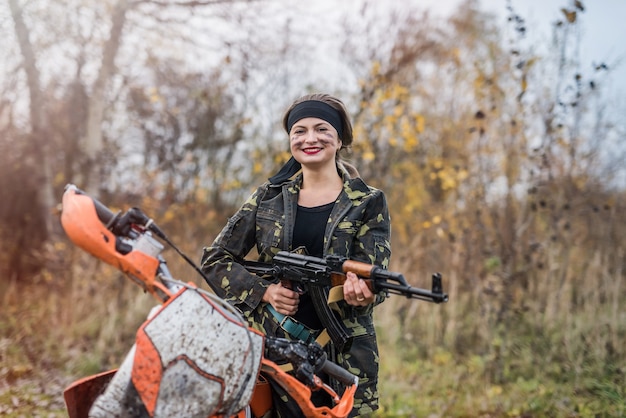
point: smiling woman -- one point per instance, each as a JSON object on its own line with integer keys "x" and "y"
{"x": 313, "y": 205}
{"x": 314, "y": 142}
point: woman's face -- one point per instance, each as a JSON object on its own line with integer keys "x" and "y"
{"x": 314, "y": 142}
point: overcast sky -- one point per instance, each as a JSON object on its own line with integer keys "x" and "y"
{"x": 604, "y": 29}
{"x": 602, "y": 24}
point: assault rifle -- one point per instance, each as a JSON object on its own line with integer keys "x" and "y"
{"x": 307, "y": 273}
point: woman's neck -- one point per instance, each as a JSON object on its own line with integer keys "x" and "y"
{"x": 319, "y": 187}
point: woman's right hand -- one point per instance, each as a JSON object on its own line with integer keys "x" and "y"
{"x": 284, "y": 300}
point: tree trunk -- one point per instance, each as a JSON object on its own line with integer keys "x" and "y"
{"x": 92, "y": 142}
{"x": 44, "y": 193}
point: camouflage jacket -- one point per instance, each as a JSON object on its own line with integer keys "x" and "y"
{"x": 358, "y": 228}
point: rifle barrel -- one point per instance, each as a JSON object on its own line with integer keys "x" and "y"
{"x": 412, "y": 292}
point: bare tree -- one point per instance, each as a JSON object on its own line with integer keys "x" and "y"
{"x": 42, "y": 171}
{"x": 67, "y": 136}
{"x": 92, "y": 142}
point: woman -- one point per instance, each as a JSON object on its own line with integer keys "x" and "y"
{"x": 316, "y": 203}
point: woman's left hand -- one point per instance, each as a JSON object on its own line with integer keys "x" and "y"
{"x": 356, "y": 292}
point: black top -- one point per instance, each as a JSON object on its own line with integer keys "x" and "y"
{"x": 308, "y": 232}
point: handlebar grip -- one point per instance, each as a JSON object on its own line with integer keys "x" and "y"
{"x": 339, "y": 373}
{"x": 104, "y": 213}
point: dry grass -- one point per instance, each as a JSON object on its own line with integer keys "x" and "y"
{"x": 541, "y": 333}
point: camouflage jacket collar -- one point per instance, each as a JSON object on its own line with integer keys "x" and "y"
{"x": 354, "y": 187}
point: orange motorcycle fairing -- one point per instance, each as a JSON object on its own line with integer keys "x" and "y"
{"x": 82, "y": 225}
{"x": 192, "y": 342}
{"x": 302, "y": 394}
{"x": 80, "y": 395}
{"x": 261, "y": 401}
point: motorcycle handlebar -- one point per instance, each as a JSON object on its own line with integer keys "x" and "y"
{"x": 339, "y": 373}
{"x": 120, "y": 224}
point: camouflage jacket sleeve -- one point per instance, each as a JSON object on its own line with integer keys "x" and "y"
{"x": 228, "y": 278}
{"x": 371, "y": 244}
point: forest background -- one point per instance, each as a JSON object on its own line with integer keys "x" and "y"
{"x": 501, "y": 156}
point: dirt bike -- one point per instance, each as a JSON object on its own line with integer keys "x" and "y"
{"x": 195, "y": 355}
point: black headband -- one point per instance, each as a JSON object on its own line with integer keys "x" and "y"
{"x": 315, "y": 109}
